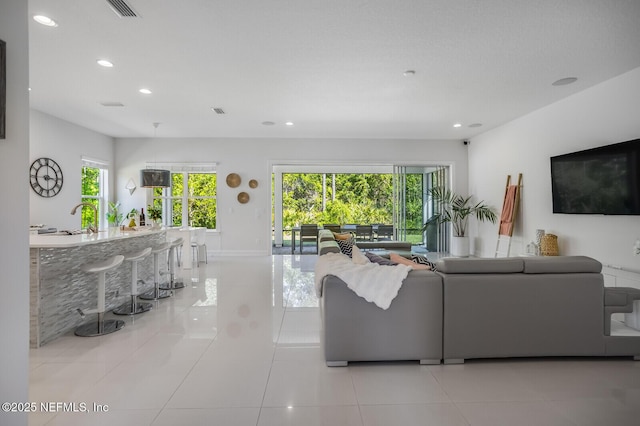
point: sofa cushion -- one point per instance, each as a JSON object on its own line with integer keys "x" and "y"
{"x": 560, "y": 265}
{"x": 328, "y": 247}
{"x": 457, "y": 265}
{"x": 378, "y": 259}
{"x": 325, "y": 235}
{"x": 620, "y": 296}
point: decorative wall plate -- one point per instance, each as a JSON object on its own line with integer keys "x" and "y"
{"x": 233, "y": 180}
{"x": 243, "y": 198}
{"x": 253, "y": 183}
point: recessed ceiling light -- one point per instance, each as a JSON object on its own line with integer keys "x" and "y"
{"x": 409, "y": 73}
{"x": 268, "y": 123}
{"x": 289, "y": 123}
{"x": 475, "y": 125}
{"x": 145, "y": 91}
{"x": 45, "y": 20}
{"x": 112, "y": 104}
{"x": 457, "y": 125}
{"x": 104, "y": 63}
{"x": 564, "y": 81}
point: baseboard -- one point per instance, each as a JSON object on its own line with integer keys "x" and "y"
{"x": 230, "y": 253}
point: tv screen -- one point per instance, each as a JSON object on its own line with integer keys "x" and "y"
{"x": 604, "y": 180}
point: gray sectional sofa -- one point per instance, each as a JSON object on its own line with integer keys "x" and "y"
{"x": 479, "y": 308}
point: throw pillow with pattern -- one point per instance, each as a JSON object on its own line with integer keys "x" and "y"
{"x": 422, "y": 260}
{"x": 346, "y": 246}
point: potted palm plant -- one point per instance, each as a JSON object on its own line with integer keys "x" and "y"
{"x": 456, "y": 209}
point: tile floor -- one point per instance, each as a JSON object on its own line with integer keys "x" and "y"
{"x": 240, "y": 345}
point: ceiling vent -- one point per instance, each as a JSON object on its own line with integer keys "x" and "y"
{"x": 218, "y": 110}
{"x": 122, "y": 9}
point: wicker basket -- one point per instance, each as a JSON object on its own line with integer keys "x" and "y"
{"x": 549, "y": 245}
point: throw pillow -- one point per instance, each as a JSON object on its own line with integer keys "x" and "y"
{"x": 423, "y": 261}
{"x": 378, "y": 259}
{"x": 346, "y": 246}
{"x": 357, "y": 257}
{"x": 343, "y": 236}
{"x": 395, "y": 257}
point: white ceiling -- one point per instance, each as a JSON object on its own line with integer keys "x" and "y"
{"x": 332, "y": 67}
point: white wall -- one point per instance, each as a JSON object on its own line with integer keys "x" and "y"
{"x": 66, "y": 143}
{"x": 604, "y": 114}
{"x": 14, "y": 244}
{"x": 246, "y": 228}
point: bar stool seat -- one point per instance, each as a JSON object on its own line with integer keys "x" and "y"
{"x": 101, "y": 326}
{"x": 133, "y": 307}
{"x": 174, "y": 284}
{"x": 157, "y": 293}
{"x": 199, "y": 240}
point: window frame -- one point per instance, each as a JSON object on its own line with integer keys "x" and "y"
{"x": 103, "y": 189}
{"x": 167, "y": 199}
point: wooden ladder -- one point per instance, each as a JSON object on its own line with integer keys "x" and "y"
{"x": 508, "y": 217}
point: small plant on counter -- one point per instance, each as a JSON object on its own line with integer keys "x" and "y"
{"x": 154, "y": 213}
{"x": 114, "y": 217}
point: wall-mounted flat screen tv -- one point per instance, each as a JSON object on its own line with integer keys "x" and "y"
{"x": 603, "y": 180}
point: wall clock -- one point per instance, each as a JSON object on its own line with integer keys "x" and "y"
{"x": 45, "y": 176}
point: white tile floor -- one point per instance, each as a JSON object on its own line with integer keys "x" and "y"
{"x": 241, "y": 346}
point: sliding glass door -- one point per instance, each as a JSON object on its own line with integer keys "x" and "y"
{"x": 413, "y": 205}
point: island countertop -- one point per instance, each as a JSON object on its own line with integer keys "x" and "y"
{"x": 59, "y": 240}
{"x": 59, "y": 284}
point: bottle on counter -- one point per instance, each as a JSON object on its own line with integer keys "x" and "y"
{"x": 142, "y": 220}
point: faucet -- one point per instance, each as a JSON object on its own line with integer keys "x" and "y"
{"x": 90, "y": 229}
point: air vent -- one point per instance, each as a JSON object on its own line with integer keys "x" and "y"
{"x": 112, "y": 104}
{"x": 122, "y": 9}
{"x": 218, "y": 110}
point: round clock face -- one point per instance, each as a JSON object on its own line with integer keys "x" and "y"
{"x": 46, "y": 177}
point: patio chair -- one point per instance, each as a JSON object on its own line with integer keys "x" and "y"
{"x": 308, "y": 232}
{"x": 385, "y": 232}
{"x": 332, "y": 227}
{"x": 364, "y": 232}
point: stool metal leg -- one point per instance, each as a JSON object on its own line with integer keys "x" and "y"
{"x": 174, "y": 284}
{"x": 133, "y": 307}
{"x": 156, "y": 293}
{"x": 101, "y": 326}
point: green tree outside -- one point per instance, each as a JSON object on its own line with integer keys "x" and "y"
{"x": 364, "y": 198}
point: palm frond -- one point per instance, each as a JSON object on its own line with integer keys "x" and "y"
{"x": 456, "y": 209}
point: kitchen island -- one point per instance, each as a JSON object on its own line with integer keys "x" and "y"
{"x": 59, "y": 286}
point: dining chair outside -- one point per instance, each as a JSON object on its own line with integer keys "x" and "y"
{"x": 385, "y": 232}
{"x": 364, "y": 232}
{"x": 332, "y": 227}
{"x": 308, "y": 232}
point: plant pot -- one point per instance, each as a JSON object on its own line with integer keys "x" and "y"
{"x": 459, "y": 246}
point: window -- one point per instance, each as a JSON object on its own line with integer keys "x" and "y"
{"x": 94, "y": 189}
{"x": 190, "y": 201}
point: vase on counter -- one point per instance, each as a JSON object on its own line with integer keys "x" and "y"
{"x": 539, "y": 235}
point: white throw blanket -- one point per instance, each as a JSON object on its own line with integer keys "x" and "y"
{"x": 374, "y": 282}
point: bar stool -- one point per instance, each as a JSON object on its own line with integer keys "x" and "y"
{"x": 134, "y": 307}
{"x": 100, "y": 327}
{"x": 198, "y": 240}
{"x": 173, "y": 283}
{"x": 156, "y": 293}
